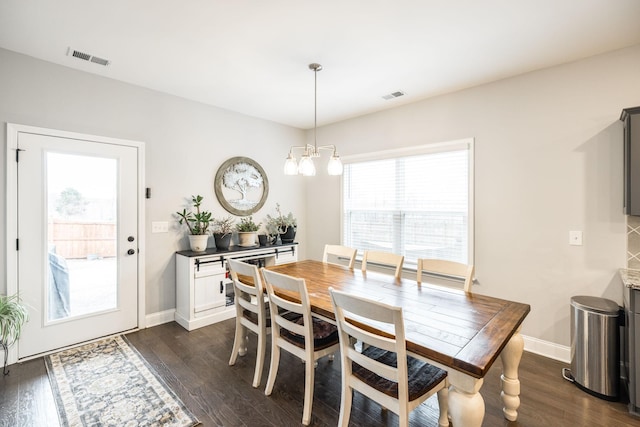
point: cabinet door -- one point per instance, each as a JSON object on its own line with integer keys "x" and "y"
{"x": 286, "y": 257}
{"x": 208, "y": 292}
{"x": 631, "y": 161}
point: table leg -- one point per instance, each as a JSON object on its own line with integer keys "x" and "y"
{"x": 466, "y": 405}
{"x": 243, "y": 342}
{"x": 511, "y": 356}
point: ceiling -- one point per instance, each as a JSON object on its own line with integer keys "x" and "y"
{"x": 252, "y": 56}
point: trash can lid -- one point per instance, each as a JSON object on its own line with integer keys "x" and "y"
{"x": 600, "y": 305}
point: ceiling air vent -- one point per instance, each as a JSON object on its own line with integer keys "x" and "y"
{"x": 87, "y": 57}
{"x": 392, "y": 95}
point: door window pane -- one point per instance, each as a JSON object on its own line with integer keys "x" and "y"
{"x": 81, "y": 228}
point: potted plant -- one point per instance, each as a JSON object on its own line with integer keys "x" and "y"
{"x": 198, "y": 224}
{"x": 286, "y": 225}
{"x": 12, "y": 316}
{"x": 222, "y": 232}
{"x": 268, "y": 235}
{"x": 247, "y": 231}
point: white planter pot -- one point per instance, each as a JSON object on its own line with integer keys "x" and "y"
{"x": 198, "y": 242}
{"x": 247, "y": 238}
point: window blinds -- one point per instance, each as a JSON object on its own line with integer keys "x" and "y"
{"x": 417, "y": 205}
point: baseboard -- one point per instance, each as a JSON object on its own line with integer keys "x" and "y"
{"x": 155, "y": 319}
{"x": 547, "y": 349}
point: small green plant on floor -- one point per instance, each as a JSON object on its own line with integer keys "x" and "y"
{"x": 13, "y": 316}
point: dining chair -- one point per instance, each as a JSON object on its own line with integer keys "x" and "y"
{"x": 251, "y": 313}
{"x": 446, "y": 268}
{"x": 296, "y": 331}
{"x": 383, "y": 371}
{"x": 331, "y": 252}
{"x": 383, "y": 258}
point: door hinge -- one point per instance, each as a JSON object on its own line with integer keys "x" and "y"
{"x": 18, "y": 150}
{"x": 17, "y": 244}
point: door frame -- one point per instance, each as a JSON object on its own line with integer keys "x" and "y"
{"x": 11, "y": 216}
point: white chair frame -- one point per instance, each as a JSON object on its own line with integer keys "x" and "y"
{"x": 384, "y": 258}
{"x": 446, "y": 268}
{"x": 250, "y": 298}
{"x": 340, "y": 251}
{"x": 365, "y": 311}
{"x": 308, "y": 354}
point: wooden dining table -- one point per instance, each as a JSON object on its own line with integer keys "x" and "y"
{"x": 462, "y": 333}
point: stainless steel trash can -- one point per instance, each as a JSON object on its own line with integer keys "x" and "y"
{"x": 595, "y": 353}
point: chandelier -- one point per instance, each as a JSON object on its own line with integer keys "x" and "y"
{"x": 306, "y": 166}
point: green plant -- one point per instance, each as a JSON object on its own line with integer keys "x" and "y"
{"x": 198, "y": 222}
{"x": 12, "y": 316}
{"x": 247, "y": 225}
{"x": 280, "y": 222}
{"x": 271, "y": 230}
{"x": 223, "y": 226}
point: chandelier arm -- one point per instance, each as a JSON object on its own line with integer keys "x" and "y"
{"x": 293, "y": 147}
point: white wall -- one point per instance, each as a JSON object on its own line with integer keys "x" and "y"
{"x": 185, "y": 142}
{"x": 548, "y": 159}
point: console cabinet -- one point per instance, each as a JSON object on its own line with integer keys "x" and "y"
{"x": 204, "y": 293}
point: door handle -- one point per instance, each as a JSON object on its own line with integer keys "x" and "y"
{"x": 131, "y": 252}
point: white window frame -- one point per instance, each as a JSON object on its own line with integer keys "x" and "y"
{"x": 465, "y": 143}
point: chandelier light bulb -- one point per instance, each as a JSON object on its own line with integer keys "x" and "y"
{"x": 306, "y": 167}
{"x": 290, "y": 165}
{"x": 335, "y": 165}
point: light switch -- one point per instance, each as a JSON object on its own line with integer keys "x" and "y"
{"x": 159, "y": 227}
{"x": 575, "y": 238}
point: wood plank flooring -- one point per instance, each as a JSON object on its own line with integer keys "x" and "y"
{"x": 195, "y": 365}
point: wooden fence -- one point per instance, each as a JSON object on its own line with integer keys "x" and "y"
{"x": 78, "y": 239}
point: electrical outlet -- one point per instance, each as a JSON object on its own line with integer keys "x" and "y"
{"x": 575, "y": 238}
{"x": 159, "y": 227}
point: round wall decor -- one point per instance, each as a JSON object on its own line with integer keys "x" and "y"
{"x": 241, "y": 186}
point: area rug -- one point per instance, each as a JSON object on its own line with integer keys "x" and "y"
{"x": 108, "y": 383}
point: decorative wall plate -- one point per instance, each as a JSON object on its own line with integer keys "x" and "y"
{"x": 241, "y": 186}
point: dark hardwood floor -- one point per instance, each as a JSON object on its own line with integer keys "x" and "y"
{"x": 195, "y": 365}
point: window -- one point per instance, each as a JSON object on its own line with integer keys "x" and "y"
{"x": 416, "y": 202}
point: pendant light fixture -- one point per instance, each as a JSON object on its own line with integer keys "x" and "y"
{"x": 306, "y": 166}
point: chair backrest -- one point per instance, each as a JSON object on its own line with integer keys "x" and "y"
{"x": 382, "y": 316}
{"x": 284, "y": 293}
{"x": 249, "y": 295}
{"x": 446, "y": 268}
{"x": 384, "y": 258}
{"x": 341, "y": 252}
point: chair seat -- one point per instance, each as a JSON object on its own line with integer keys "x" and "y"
{"x": 324, "y": 333}
{"x": 253, "y": 317}
{"x": 422, "y": 376}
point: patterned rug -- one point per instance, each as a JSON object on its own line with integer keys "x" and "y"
{"x": 108, "y": 383}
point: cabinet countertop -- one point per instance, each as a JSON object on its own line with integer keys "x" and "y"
{"x": 235, "y": 249}
{"x": 630, "y": 278}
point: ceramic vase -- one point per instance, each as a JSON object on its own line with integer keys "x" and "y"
{"x": 198, "y": 242}
{"x": 222, "y": 241}
{"x": 247, "y": 238}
